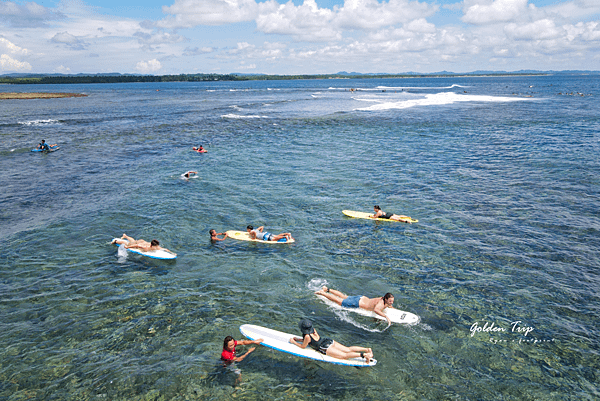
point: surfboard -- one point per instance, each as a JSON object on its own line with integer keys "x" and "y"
{"x": 160, "y": 254}
{"x": 395, "y": 315}
{"x": 244, "y": 236}
{"x": 363, "y": 215}
{"x": 280, "y": 341}
{"x": 52, "y": 149}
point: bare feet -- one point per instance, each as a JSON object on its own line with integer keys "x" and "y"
{"x": 322, "y": 291}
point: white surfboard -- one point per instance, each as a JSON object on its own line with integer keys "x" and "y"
{"x": 160, "y": 254}
{"x": 395, "y": 315}
{"x": 244, "y": 236}
{"x": 280, "y": 341}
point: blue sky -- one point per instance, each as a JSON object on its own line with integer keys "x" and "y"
{"x": 297, "y": 37}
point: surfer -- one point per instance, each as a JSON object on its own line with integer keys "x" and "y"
{"x": 44, "y": 146}
{"x": 214, "y": 235}
{"x": 390, "y": 216}
{"x": 376, "y": 305}
{"x": 257, "y": 233}
{"x": 199, "y": 149}
{"x": 229, "y": 345}
{"x": 327, "y": 346}
{"x": 154, "y": 246}
{"x": 188, "y": 174}
{"x": 144, "y": 245}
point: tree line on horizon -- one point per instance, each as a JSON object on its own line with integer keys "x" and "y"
{"x": 104, "y": 79}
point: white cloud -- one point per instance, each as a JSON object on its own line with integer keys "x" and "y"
{"x": 480, "y": 12}
{"x": 190, "y": 13}
{"x": 10, "y": 64}
{"x": 539, "y": 30}
{"x": 147, "y": 67}
{"x": 11, "y": 47}
{"x": 62, "y": 69}
{"x": 69, "y": 40}
{"x": 27, "y": 15}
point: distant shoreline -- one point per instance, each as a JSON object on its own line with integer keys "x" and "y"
{"x": 37, "y": 95}
{"x": 112, "y": 79}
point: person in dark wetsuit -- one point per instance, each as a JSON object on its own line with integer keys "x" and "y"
{"x": 390, "y": 216}
{"x": 327, "y": 346}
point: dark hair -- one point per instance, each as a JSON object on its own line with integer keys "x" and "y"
{"x": 211, "y": 231}
{"x": 154, "y": 242}
{"x": 377, "y": 207}
{"x": 388, "y": 296}
{"x": 226, "y": 341}
{"x": 249, "y": 227}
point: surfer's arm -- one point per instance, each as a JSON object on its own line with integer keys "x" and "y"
{"x": 305, "y": 341}
{"x": 241, "y": 358}
{"x": 381, "y": 313}
{"x": 248, "y": 342}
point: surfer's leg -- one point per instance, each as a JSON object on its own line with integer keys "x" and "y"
{"x": 337, "y": 293}
{"x": 128, "y": 238}
{"x": 337, "y": 353}
{"x": 119, "y": 241}
{"x": 405, "y": 219}
{"x": 330, "y": 297}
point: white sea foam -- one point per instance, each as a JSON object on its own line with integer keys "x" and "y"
{"x": 439, "y": 99}
{"x": 240, "y": 117}
{"x": 40, "y": 122}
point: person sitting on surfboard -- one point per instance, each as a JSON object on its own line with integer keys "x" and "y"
{"x": 327, "y": 346}
{"x": 376, "y": 305}
{"x": 44, "y": 146}
{"x": 257, "y": 233}
{"x": 214, "y": 235}
{"x": 390, "y": 216}
{"x": 229, "y": 345}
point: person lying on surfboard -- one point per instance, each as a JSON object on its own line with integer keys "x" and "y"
{"x": 390, "y": 216}
{"x": 214, "y": 235}
{"x": 189, "y": 174}
{"x": 376, "y": 305}
{"x": 257, "y": 233}
{"x": 144, "y": 245}
{"x": 327, "y": 346}
{"x": 199, "y": 149}
{"x": 229, "y": 345}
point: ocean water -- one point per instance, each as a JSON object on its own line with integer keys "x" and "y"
{"x": 502, "y": 267}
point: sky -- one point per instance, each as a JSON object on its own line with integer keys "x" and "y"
{"x": 297, "y": 36}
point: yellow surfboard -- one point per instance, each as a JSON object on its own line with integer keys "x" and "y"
{"x": 244, "y": 236}
{"x": 363, "y": 215}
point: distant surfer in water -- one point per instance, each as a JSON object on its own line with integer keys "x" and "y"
{"x": 376, "y": 305}
{"x": 214, "y": 235}
{"x": 327, "y": 346}
{"x": 257, "y": 233}
{"x": 189, "y": 174}
{"x": 390, "y": 216}
{"x": 229, "y": 345}
{"x": 199, "y": 149}
{"x": 44, "y": 146}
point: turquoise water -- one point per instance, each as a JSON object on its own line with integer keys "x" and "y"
{"x": 501, "y": 172}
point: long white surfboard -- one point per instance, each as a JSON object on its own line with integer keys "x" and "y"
{"x": 395, "y": 315}
{"x": 280, "y": 341}
{"x": 244, "y": 236}
{"x": 160, "y": 254}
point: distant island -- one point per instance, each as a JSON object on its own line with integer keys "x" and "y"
{"x": 37, "y": 95}
{"x": 125, "y": 78}
{"x": 47, "y": 79}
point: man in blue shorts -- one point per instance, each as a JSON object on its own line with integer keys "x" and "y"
{"x": 376, "y": 305}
